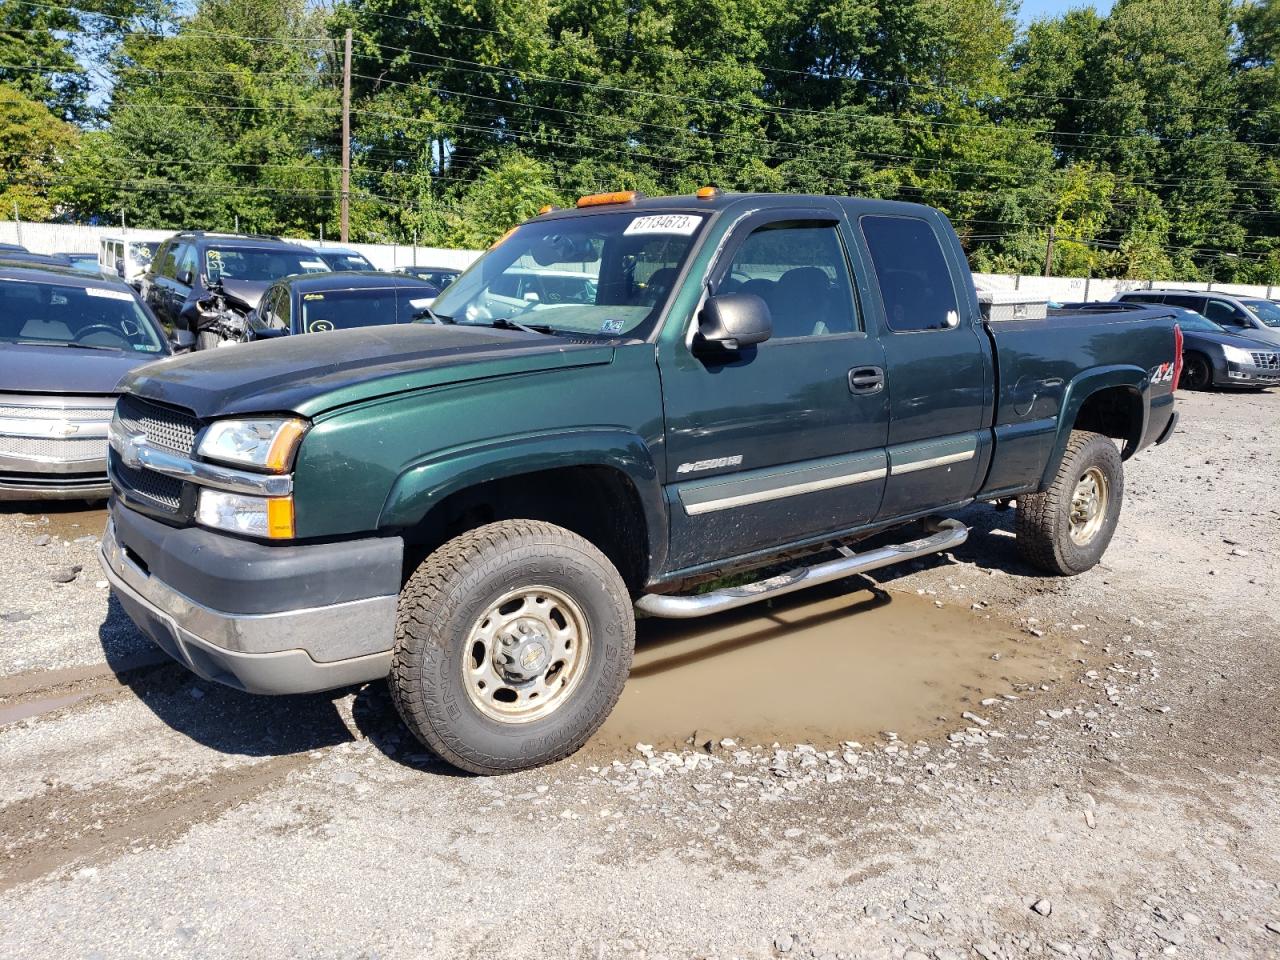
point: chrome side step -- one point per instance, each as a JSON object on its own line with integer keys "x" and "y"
{"x": 948, "y": 534}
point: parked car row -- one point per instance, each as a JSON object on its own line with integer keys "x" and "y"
{"x": 71, "y": 325}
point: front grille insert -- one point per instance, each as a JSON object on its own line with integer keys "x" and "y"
{"x": 54, "y": 450}
{"x": 155, "y": 487}
{"x": 165, "y": 427}
{"x": 1268, "y": 361}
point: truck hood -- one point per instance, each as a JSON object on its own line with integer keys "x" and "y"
{"x": 244, "y": 293}
{"x": 314, "y": 372}
{"x": 30, "y": 368}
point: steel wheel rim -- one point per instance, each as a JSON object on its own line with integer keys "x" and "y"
{"x": 1089, "y": 505}
{"x": 526, "y": 654}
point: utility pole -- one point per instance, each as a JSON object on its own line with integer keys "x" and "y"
{"x": 1048, "y": 251}
{"x": 346, "y": 137}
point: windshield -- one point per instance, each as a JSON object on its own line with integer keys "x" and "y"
{"x": 345, "y": 309}
{"x": 102, "y": 317}
{"x": 1190, "y": 320}
{"x": 347, "y": 261}
{"x": 143, "y": 251}
{"x": 264, "y": 265}
{"x": 603, "y": 274}
{"x": 1264, "y": 310}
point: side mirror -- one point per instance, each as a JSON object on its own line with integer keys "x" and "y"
{"x": 732, "y": 321}
{"x": 183, "y": 341}
{"x": 185, "y": 278}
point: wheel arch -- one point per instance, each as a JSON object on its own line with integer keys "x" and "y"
{"x": 601, "y": 484}
{"x": 1111, "y": 401}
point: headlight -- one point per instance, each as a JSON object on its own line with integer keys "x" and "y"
{"x": 266, "y": 444}
{"x": 1238, "y": 355}
{"x": 268, "y": 517}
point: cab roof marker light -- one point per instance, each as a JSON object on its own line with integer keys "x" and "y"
{"x": 601, "y": 199}
{"x": 707, "y": 193}
{"x": 547, "y": 208}
{"x": 501, "y": 238}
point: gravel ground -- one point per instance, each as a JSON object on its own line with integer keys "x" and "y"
{"x": 1124, "y": 804}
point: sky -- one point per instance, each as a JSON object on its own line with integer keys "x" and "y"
{"x": 1031, "y": 9}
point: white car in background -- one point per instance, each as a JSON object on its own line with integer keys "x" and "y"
{"x": 125, "y": 258}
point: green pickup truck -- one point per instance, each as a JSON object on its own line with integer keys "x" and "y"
{"x": 615, "y": 408}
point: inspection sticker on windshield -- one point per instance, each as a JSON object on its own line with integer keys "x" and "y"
{"x": 681, "y": 224}
{"x": 611, "y": 326}
{"x": 107, "y": 294}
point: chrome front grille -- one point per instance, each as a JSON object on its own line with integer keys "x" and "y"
{"x": 166, "y": 427}
{"x": 49, "y": 429}
{"x": 1267, "y": 361}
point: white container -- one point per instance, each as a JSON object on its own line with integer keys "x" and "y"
{"x": 1012, "y": 305}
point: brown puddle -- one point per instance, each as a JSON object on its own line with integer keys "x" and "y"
{"x": 64, "y": 521}
{"x": 821, "y": 666}
{"x": 36, "y": 708}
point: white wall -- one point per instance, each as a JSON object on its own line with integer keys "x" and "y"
{"x": 1066, "y": 289}
{"x": 77, "y": 238}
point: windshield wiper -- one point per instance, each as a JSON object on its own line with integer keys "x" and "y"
{"x": 68, "y": 343}
{"x": 506, "y": 323}
{"x": 432, "y": 316}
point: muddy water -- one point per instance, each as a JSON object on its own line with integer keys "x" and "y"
{"x": 67, "y": 521}
{"x": 820, "y": 667}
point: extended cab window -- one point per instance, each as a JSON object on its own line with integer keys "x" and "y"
{"x": 915, "y": 282}
{"x": 799, "y": 270}
{"x": 608, "y": 274}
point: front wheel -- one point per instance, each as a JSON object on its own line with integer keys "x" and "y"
{"x": 1197, "y": 372}
{"x": 1066, "y": 529}
{"x": 513, "y": 642}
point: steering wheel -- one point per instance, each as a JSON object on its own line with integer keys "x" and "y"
{"x": 86, "y": 332}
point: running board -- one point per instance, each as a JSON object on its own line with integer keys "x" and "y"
{"x": 948, "y": 534}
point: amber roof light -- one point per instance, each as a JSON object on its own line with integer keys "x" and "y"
{"x": 600, "y": 199}
{"x": 707, "y": 193}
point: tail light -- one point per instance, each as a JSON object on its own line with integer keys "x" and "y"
{"x": 1177, "y": 356}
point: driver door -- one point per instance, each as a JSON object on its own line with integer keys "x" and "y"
{"x": 783, "y": 441}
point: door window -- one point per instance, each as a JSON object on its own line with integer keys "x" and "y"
{"x": 915, "y": 281}
{"x": 799, "y": 270}
{"x": 1223, "y": 312}
{"x": 166, "y": 260}
{"x": 186, "y": 264}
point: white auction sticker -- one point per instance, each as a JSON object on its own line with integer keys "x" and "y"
{"x": 107, "y": 294}
{"x": 682, "y": 224}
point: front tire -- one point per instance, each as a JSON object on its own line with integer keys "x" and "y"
{"x": 1197, "y": 372}
{"x": 1066, "y": 529}
{"x": 513, "y": 642}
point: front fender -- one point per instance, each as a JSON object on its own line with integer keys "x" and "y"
{"x": 426, "y": 483}
{"x": 1080, "y": 389}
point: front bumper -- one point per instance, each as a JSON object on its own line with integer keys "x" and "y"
{"x": 1248, "y": 375}
{"x": 301, "y": 633}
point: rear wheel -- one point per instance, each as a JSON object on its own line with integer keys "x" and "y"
{"x": 1197, "y": 372}
{"x": 513, "y": 643}
{"x": 1066, "y": 529}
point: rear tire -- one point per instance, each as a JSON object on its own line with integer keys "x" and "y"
{"x": 513, "y": 642}
{"x": 1066, "y": 529}
{"x": 1197, "y": 372}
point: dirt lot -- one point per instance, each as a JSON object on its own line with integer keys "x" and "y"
{"x": 960, "y": 760}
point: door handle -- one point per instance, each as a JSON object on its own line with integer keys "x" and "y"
{"x": 865, "y": 380}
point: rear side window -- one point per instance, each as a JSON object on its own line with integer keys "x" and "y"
{"x": 915, "y": 281}
{"x": 1145, "y": 297}
{"x": 1186, "y": 301}
{"x": 345, "y": 309}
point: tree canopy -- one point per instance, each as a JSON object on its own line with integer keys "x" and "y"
{"x": 1147, "y": 139}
